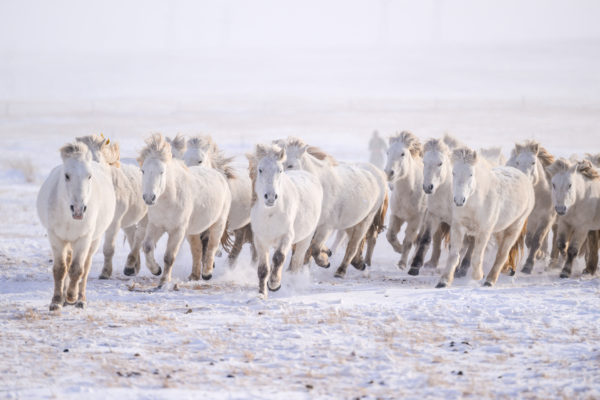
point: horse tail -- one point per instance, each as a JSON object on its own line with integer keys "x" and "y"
{"x": 226, "y": 240}
{"x": 516, "y": 250}
{"x": 445, "y": 233}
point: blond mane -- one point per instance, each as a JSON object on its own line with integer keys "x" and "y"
{"x": 534, "y": 147}
{"x": 594, "y": 159}
{"x": 177, "y": 143}
{"x": 156, "y": 147}
{"x": 451, "y": 142}
{"x": 464, "y": 154}
{"x": 410, "y": 141}
{"x": 586, "y": 169}
{"x": 109, "y": 150}
{"x": 314, "y": 151}
{"x": 220, "y": 162}
{"x": 436, "y": 145}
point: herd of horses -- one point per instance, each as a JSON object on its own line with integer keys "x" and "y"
{"x": 294, "y": 196}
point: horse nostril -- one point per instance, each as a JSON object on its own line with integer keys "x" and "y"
{"x": 266, "y": 196}
{"x": 153, "y": 197}
{"x": 84, "y": 208}
{"x": 276, "y": 196}
{"x": 72, "y": 208}
{"x": 391, "y": 173}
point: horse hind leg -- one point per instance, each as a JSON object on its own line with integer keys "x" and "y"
{"x": 592, "y": 259}
{"x": 197, "y": 249}
{"x": 240, "y": 239}
{"x": 215, "y": 236}
{"x": 135, "y": 235}
{"x": 510, "y": 244}
{"x": 466, "y": 255}
{"x": 441, "y": 235}
{"x": 410, "y": 237}
{"x": 59, "y": 270}
{"x": 356, "y": 234}
{"x": 536, "y": 242}
{"x": 297, "y": 261}
{"x": 110, "y": 241}
{"x": 392, "y": 233}
{"x": 320, "y": 256}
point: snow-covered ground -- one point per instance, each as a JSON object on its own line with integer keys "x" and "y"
{"x": 376, "y": 334}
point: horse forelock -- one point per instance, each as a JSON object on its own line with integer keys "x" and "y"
{"x": 451, "y": 141}
{"x": 77, "y": 150}
{"x": 410, "y": 141}
{"x": 436, "y": 145}
{"x": 465, "y": 155}
{"x": 156, "y": 147}
{"x": 558, "y": 166}
{"x": 177, "y": 143}
{"x": 205, "y": 143}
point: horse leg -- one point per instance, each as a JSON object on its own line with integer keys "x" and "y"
{"x": 318, "y": 243}
{"x": 465, "y": 258}
{"x": 339, "y": 238}
{"x": 59, "y": 270}
{"x": 456, "y": 239}
{"x": 132, "y": 265}
{"x": 81, "y": 300}
{"x": 237, "y": 245}
{"x": 262, "y": 252}
{"x": 575, "y": 245}
{"x": 215, "y": 233}
{"x": 392, "y": 233}
{"x": 81, "y": 249}
{"x": 110, "y": 241}
{"x": 480, "y": 241}
{"x": 554, "y": 252}
{"x": 173, "y": 243}
{"x": 592, "y": 261}
{"x": 424, "y": 239}
{"x": 274, "y": 283}
{"x": 410, "y": 236}
{"x": 196, "y": 248}
{"x": 153, "y": 233}
{"x": 297, "y": 259}
{"x": 356, "y": 234}
{"x": 505, "y": 240}
{"x": 535, "y": 244}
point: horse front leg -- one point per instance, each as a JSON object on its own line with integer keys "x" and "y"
{"x": 81, "y": 300}
{"x": 173, "y": 243}
{"x": 215, "y": 233}
{"x": 592, "y": 260}
{"x": 274, "y": 283}
{"x": 297, "y": 260}
{"x": 456, "y": 239}
{"x": 536, "y": 243}
{"x": 81, "y": 249}
{"x": 320, "y": 255}
{"x": 196, "y": 248}
{"x": 262, "y": 252}
{"x": 240, "y": 239}
{"x": 575, "y": 245}
{"x": 110, "y": 241}
{"x": 356, "y": 235}
{"x": 392, "y": 233}
{"x": 465, "y": 256}
{"x": 59, "y": 270}
{"x": 424, "y": 239}
{"x": 153, "y": 233}
{"x": 132, "y": 265}
{"x": 410, "y": 237}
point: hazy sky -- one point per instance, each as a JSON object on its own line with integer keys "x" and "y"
{"x": 157, "y": 25}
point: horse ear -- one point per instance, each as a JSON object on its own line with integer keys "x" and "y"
{"x": 281, "y": 154}
{"x": 518, "y": 148}
{"x": 474, "y": 157}
{"x": 261, "y": 150}
{"x": 535, "y": 148}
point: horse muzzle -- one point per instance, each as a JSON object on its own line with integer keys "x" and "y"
{"x": 149, "y": 199}
{"x": 561, "y": 210}
{"x": 77, "y": 212}
{"x": 428, "y": 189}
{"x": 459, "y": 202}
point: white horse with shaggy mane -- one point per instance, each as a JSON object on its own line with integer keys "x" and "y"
{"x": 183, "y": 201}
{"x": 285, "y": 213}
{"x": 487, "y": 202}
{"x": 130, "y": 210}
{"x": 532, "y": 159}
{"x": 576, "y": 199}
{"x": 76, "y": 205}
{"x": 203, "y": 151}
{"x": 404, "y": 170}
{"x": 354, "y": 200}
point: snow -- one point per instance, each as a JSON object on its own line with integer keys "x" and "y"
{"x": 379, "y": 334}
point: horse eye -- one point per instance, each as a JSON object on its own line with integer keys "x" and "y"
{"x": 260, "y": 171}
{"x": 402, "y": 155}
{"x": 67, "y": 177}
{"x": 470, "y": 175}
{"x": 440, "y": 164}
{"x": 200, "y": 162}
{"x": 569, "y": 186}
{"x": 142, "y": 171}
{"x": 89, "y": 177}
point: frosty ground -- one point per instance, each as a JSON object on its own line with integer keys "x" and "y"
{"x": 376, "y": 334}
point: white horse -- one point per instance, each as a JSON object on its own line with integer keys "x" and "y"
{"x": 75, "y": 204}
{"x": 178, "y": 146}
{"x": 487, "y": 201}
{"x": 130, "y": 210}
{"x": 437, "y": 185}
{"x": 183, "y": 201}
{"x": 532, "y": 159}
{"x": 576, "y": 199}
{"x": 354, "y": 200}
{"x": 285, "y": 213}
{"x": 203, "y": 151}
{"x": 404, "y": 169}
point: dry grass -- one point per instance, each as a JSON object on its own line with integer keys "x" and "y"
{"x": 25, "y": 166}
{"x": 29, "y": 315}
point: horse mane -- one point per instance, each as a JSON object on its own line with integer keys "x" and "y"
{"x": 314, "y": 151}
{"x": 177, "y": 143}
{"x": 451, "y": 141}
{"x": 110, "y": 150}
{"x": 221, "y": 163}
{"x": 410, "y": 141}
{"x": 586, "y": 169}
{"x": 464, "y": 154}
{"x": 261, "y": 151}
{"x": 438, "y": 145}
{"x": 77, "y": 150}
{"x": 594, "y": 159}
{"x": 534, "y": 147}
{"x": 156, "y": 147}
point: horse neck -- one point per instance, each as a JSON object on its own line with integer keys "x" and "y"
{"x": 484, "y": 178}
{"x": 316, "y": 166}
{"x": 174, "y": 172}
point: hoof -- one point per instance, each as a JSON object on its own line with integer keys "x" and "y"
{"x": 274, "y": 289}
{"x": 414, "y": 271}
{"x": 129, "y": 271}
{"x": 219, "y": 253}
{"x": 487, "y": 284}
{"x": 80, "y": 304}
{"x": 157, "y": 272}
{"x": 401, "y": 265}
{"x": 325, "y": 266}
{"x": 328, "y": 252}
{"x": 193, "y": 277}
{"x": 441, "y": 285}
{"x": 360, "y": 266}
{"x": 55, "y": 306}
{"x": 104, "y": 277}
{"x": 460, "y": 273}
{"x": 588, "y": 271}
{"x": 340, "y": 273}
{"x": 564, "y": 275}
{"x": 511, "y": 272}
{"x": 207, "y": 277}
{"x": 262, "y": 296}
{"x": 527, "y": 270}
